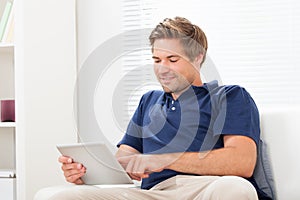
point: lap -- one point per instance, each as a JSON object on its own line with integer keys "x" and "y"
{"x": 178, "y": 187}
{"x": 88, "y": 192}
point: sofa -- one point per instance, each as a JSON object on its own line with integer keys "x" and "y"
{"x": 280, "y": 133}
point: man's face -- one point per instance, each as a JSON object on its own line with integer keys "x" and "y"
{"x": 172, "y": 67}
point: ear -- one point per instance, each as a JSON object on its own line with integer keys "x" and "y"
{"x": 198, "y": 60}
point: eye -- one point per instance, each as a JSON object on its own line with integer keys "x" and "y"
{"x": 157, "y": 60}
{"x": 173, "y": 60}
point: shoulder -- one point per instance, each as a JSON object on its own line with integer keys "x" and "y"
{"x": 228, "y": 89}
{"x": 152, "y": 97}
{"x": 237, "y": 92}
{"x": 231, "y": 92}
{"x": 214, "y": 88}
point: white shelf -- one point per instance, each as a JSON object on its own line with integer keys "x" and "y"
{"x": 6, "y": 47}
{"x": 7, "y": 129}
{"x": 7, "y": 187}
{"x": 7, "y": 173}
{"x": 7, "y": 124}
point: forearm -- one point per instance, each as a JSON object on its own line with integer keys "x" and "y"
{"x": 125, "y": 150}
{"x": 224, "y": 161}
{"x": 238, "y": 157}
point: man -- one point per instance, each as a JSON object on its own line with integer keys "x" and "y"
{"x": 193, "y": 140}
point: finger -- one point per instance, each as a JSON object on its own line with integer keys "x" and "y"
{"x": 65, "y": 159}
{"x": 130, "y": 170}
{"x": 79, "y": 181}
{"x": 72, "y": 172}
{"x": 140, "y": 168}
{"x": 132, "y": 176}
{"x": 129, "y": 163}
{"x": 74, "y": 178}
{"x": 138, "y": 176}
{"x": 77, "y": 166}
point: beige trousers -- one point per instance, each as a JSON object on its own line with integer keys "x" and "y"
{"x": 181, "y": 187}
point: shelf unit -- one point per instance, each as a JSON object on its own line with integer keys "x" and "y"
{"x": 7, "y": 124}
{"x": 7, "y": 129}
{"x": 40, "y": 77}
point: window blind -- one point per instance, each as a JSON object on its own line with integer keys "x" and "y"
{"x": 254, "y": 44}
{"x": 137, "y": 19}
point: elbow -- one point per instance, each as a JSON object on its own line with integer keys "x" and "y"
{"x": 248, "y": 163}
{"x": 247, "y": 173}
{"x": 244, "y": 167}
{"x": 248, "y": 170}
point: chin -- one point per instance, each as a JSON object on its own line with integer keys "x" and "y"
{"x": 166, "y": 89}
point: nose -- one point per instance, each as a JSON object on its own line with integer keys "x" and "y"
{"x": 163, "y": 67}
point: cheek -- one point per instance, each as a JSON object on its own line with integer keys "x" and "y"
{"x": 188, "y": 72}
{"x": 180, "y": 70}
{"x": 155, "y": 69}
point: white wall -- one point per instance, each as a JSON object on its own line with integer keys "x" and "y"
{"x": 98, "y": 22}
{"x": 45, "y": 73}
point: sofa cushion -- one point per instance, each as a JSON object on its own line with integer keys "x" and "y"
{"x": 263, "y": 172}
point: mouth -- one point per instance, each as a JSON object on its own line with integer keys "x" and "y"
{"x": 166, "y": 79}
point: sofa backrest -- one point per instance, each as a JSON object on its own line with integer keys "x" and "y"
{"x": 280, "y": 130}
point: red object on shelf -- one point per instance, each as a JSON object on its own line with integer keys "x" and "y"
{"x": 8, "y": 111}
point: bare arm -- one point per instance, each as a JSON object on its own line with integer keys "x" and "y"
{"x": 125, "y": 151}
{"x": 238, "y": 157}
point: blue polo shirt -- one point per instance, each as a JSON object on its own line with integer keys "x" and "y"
{"x": 196, "y": 121}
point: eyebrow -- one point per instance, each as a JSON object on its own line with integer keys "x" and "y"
{"x": 170, "y": 56}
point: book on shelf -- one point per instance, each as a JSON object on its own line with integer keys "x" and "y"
{"x": 8, "y": 35}
{"x": 6, "y": 19}
{"x": 2, "y": 6}
{"x": 7, "y": 173}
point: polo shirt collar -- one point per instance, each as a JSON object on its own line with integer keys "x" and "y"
{"x": 197, "y": 90}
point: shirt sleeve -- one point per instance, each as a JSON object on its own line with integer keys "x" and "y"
{"x": 133, "y": 134}
{"x": 238, "y": 114}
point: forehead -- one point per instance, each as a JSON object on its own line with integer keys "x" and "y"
{"x": 167, "y": 47}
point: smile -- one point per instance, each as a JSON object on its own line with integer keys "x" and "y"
{"x": 167, "y": 79}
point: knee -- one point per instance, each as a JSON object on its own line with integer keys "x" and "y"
{"x": 231, "y": 187}
{"x": 54, "y": 193}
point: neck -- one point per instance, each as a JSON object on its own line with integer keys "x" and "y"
{"x": 176, "y": 95}
{"x": 197, "y": 82}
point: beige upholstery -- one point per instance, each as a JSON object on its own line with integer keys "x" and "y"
{"x": 280, "y": 129}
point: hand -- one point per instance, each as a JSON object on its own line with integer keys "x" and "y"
{"x": 139, "y": 166}
{"x": 72, "y": 171}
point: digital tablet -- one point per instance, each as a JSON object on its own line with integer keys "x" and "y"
{"x": 102, "y": 168}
